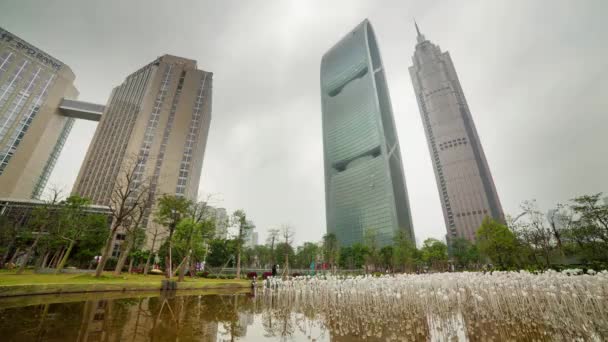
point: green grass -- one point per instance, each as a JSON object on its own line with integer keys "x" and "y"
{"x": 30, "y": 278}
{"x": 30, "y": 283}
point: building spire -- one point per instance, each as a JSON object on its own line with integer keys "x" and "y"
{"x": 419, "y": 36}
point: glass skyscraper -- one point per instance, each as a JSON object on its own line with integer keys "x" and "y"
{"x": 464, "y": 181}
{"x": 364, "y": 180}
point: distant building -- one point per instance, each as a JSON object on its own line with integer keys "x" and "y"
{"x": 158, "y": 119}
{"x": 35, "y": 119}
{"x": 464, "y": 181}
{"x": 220, "y": 217}
{"x": 251, "y": 236}
{"x": 364, "y": 179}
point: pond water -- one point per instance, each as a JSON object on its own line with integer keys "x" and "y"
{"x": 317, "y": 312}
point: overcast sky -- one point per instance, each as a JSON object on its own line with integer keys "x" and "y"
{"x": 535, "y": 74}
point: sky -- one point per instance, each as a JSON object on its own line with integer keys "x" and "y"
{"x": 535, "y": 75}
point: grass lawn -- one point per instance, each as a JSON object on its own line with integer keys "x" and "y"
{"x": 30, "y": 283}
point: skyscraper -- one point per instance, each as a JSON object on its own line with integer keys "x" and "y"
{"x": 364, "y": 181}
{"x": 464, "y": 181}
{"x": 33, "y": 123}
{"x": 158, "y": 118}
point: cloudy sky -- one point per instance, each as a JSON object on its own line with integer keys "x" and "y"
{"x": 535, "y": 74}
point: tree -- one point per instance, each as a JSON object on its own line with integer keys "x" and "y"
{"x": 306, "y": 254}
{"x": 73, "y": 224}
{"x": 371, "y": 243}
{"x": 240, "y": 221}
{"x": 283, "y": 252}
{"x": 221, "y": 251}
{"x": 189, "y": 239}
{"x": 464, "y": 252}
{"x": 331, "y": 250}
{"x": 434, "y": 252}
{"x": 386, "y": 256}
{"x": 171, "y": 209}
{"x": 534, "y": 230}
{"x": 404, "y": 251}
{"x": 92, "y": 239}
{"x": 287, "y": 234}
{"x": 496, "y": 242}
{"x": 127, "y": 196}
{"x": 42, "y": 218}
{"x": 273, "y": 236}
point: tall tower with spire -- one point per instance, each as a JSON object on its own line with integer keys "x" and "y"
{"x": 464, "y": 181}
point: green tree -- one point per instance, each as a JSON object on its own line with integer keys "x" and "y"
{"x": 221, "y": 252}
{"x": 386, "y": 256}
{"x": 43, "y": 217}
{"x": 171, "y": 209}
{"x": 496, "y": 242}
{"x": 434, "y": 252}
{"x": 331, "y": 250}
{"x": 370, "y": 239}
{"x": 189, "y": 237}
{"x": 464, "y": 252}
{"x": 404, "y": 251}
{"x": 306, "y": 255}
{"x": 283, "y": 252}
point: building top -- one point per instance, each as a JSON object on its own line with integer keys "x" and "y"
{"x": 32, "y": 51}
{"x": 419, "y": 36}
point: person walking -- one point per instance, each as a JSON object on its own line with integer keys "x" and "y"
{"x": 274, "y": 270}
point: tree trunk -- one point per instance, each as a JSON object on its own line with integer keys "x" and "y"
{"x": 28, "y": 255}
{"x": 66, "y": 255}
{"x": 182, "y": 269}
{"x": 61, "y": 253}
{"x": 14, "y": 255}
{"x": 147, "y": 263}
{"x": 46, "y": 258}
{"x": 104, "y": 256}
{"x": 8, "y": 250}
{"x": 55, "y": 255}
{"x": 238, "y": 264}
{"x": 150, "y": 255}
{"x": 42, "y": 259}
{"x": 131, "y": 265}
{"x": 122, "y": 259}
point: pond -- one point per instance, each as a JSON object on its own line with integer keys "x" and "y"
{"x": 363, "y": 309}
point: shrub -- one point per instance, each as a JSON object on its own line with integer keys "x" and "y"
{"x": 252, "y": 275}
{"x": 204, "y": 274}
{"x": 266, "y": 275}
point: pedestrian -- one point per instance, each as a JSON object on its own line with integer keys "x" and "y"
{"x": 274, "y": 270}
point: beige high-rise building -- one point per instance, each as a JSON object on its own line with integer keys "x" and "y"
{"x": 464, "y": 181}
{"x": 159, "y": 119}
{"x": 34, "y": 124}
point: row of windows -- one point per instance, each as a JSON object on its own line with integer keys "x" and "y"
{"x": 474, "y": 212}
{"x": 452, "y": 143}
{"x": 163, "y": 146}
{"x": 191, "y": 139}
{"x": 144, "y": 151}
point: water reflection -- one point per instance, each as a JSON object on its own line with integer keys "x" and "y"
{"x": 199, "y": 316}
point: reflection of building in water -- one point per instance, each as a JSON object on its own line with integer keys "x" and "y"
{"x": 245, "y": 320}
{"x": 137, "y": 320}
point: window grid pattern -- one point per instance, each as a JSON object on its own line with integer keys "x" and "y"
{"x": 12, "y": 112}
{"x": 108, "y": 146}
{"x": 8, "y": 88}
{"x": 163, "y": 146}
{"x": 185, "y": 167}
{"x": 152, "y": 125}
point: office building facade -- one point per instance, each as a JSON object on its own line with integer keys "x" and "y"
{"x": 364, "y": 180}
{"x": 464, "y": 181}
{"x": 32, "y": 129}
{"x": 157, "y": 122}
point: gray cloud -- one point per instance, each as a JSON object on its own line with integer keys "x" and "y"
{"x": 535, "y": 75}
